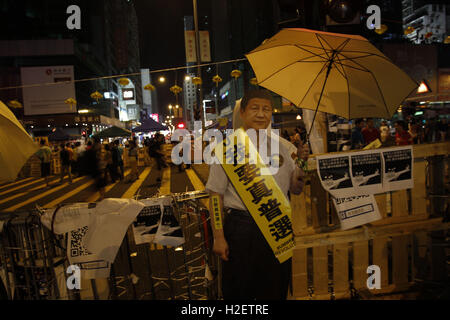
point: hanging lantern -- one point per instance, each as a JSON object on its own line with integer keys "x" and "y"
{"x": 253, "y": 81}
{"x": 383, "y": 29}
{"x": 236, "y": 73}
{"x": 70, "y": 101}
{"x": 96, "y": 95}
{"x": 216, "y": 79}
{"x": 197, "y": 80}
{"x": 176, "y": 89}
{"x": 409, "y": 30}
{"x": 15, "y": 104}
{"x": 123, "y": 81}
{"x": 428, "y": 35}
{"x": 149, "y": 87}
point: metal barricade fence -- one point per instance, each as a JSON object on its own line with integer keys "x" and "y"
{"x": 33, "y": 261}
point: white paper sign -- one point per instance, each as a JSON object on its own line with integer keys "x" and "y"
{"x": 398, "y": 169}
{"x": 147, "y": 221}
{"x": 92, "y": 267}
{"x": 334, "y": 173}
{"x": 367, "y": 169}
{"x": 356, "y": 211}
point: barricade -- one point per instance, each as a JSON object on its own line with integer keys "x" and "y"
{"x": 33, "y": 261}
{"x": 409, "y": 244}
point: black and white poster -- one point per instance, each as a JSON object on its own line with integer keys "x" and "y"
{"x": 367, "y": 169}
{"x": 157, "y": 223}
{"x": 334, "y": 173}
{"x": 147, "y": 222}
{"x": 398, "y": 169}
{"x": 169, "y": 231}
{"x": 356, "y": 211}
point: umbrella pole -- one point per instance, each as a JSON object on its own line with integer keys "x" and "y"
{"x": 320, "y": 97}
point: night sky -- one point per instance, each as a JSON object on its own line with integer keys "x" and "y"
{"x": 161, "y": 29}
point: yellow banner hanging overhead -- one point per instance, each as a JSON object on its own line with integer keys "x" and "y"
{"x": 260, "y": 194}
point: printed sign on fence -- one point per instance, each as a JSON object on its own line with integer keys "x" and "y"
{"x": 334, "y": 173}
{"x": 398, "y": 169}
{"x": 147, "y": 222}
{"x": 92, "y": 267}
{"x": 356, "y": 211}
{"x": 366, "y": 168}
{"x": 156, "y": 223}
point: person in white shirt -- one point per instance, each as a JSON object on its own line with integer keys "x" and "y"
{"x": 250, "y": 268}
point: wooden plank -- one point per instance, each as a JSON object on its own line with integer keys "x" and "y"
{"x": 299, "y": 273}
{"x": 361, "y": 234}
{"x": 380, "y": 258}
{"x": 381, "y": 200}
{"x": 299, "y": 215}
{"x": 400, "y": 203}
{"x": 419, "y": 192}
{"x": 318, "y": 203}
{"x": 340, "y": 268}
{"x": 360, "y": 264}
{"x": 420, "y": 258}
{"x": 400, "y": 259}
{"x": 320, "y": 267}
{"x": 431, "y": 149}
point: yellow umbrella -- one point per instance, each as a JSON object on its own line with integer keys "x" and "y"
{"x": 335, "y": 73}
{"x": 16, "y": 146}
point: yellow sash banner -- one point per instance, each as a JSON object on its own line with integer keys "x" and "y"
{"x": 216, "y": 212}
{"x": 260, "y": 193}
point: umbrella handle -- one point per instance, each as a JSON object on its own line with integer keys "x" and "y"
{"x": 321, "y": 94}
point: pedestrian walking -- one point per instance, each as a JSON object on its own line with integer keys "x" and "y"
{"x": 108, "y": 172}
{"x": 133, "y": 157}
{"x": 402, "y": 136}
{"x": 45, "y": 155}
{"x": 385, "y": 131}
{"x": 358, "y": 141}
{"x": 155, "y": 150}
{"x": 370, "y": 132}
{"x": 66, "y": 155}
{"x": 117, "y": 161}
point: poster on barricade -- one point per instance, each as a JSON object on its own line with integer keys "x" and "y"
{"x": 398, "y": 169}
{"x": 334, "y": 174}
{"x": 169, "y": 231}
{"x": 356, "y": 211}
{"x": 91, "y": 266}
{"x": 366, "y": 169}
{"x": 147, "y": 221}
{"x": 156, "y": 223}
{"x": 95, "y": 232}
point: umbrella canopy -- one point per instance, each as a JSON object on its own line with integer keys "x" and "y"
{"x": 335, "y": 73}
{"x": 58, "y": 135}
{"x": 16, "y": 146}
{"x": 113, "y": 132}
{"x": 150, "y": 125}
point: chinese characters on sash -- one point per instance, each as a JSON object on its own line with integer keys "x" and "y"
{"x": 260, "y": 193}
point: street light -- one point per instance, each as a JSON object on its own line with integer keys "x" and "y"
{"x": 170, "y": 106}
{"x": 187, "y": 78}
{"x": 162, "y": 79}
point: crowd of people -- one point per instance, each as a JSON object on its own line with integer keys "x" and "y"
{"x": 103, "y": 161}
{"x": 406, "y": 132}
